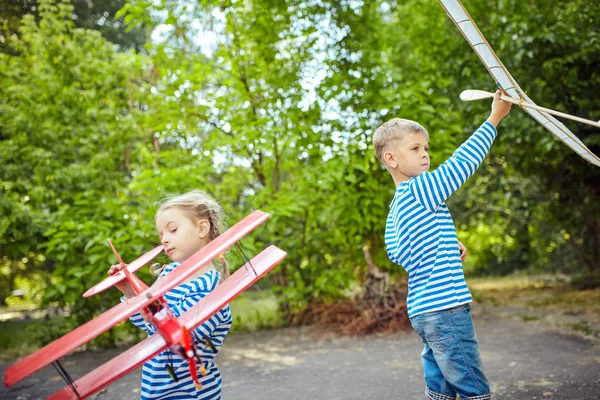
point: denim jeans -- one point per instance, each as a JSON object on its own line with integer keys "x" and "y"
{"x": 451, "y": 358}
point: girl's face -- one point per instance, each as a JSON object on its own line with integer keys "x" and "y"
{"x": 181, "y": 236}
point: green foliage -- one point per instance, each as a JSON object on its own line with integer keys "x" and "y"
{"x": 18, "y": 337}
{"x": 272, "y": 105}
{"x": 96, "y": 15}
{"x": 66, "y": 130}
{"x": 543, "y": 207}
{"x": 255, "y": 311}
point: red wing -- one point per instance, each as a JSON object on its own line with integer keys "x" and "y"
{"x": 134, "y": 357}
{"x": 118, "y": 277}
{"x": 114, "y": 369}
{"x": 120, "y": 312}
{"x": 237, "y": 283}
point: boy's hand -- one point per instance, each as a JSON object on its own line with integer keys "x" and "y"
{"x": 124, "y": 286}
{"x": 463, "y": 251}
{"x": 500, "y": 109}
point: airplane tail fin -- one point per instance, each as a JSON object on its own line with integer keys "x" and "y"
{"x": 126, "y": 273}
{"x": 115, "y": 253}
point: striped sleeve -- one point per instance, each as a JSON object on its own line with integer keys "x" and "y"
{"x": 200, "y": 288}
{"x": 431, "y": 189}
{"x": 219, "y": 326}
{"x": 139, "y": 321}
{"x": 216, "y": 327}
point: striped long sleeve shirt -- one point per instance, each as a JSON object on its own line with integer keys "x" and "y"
{"x": 156, "y": 381}
{"x": 420, "y": 234}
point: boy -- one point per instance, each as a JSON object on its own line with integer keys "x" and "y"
{"x": 420, "y": 236}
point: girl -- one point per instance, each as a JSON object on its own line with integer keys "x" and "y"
{"x": 185, "y": 224}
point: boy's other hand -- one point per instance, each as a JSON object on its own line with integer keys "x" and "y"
{"x": 463, "y": 251}
{"x": 500, "y": 109}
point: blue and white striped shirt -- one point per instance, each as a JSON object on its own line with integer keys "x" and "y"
{"x": 420, "y": 234}
{"x": 156, "y": 382}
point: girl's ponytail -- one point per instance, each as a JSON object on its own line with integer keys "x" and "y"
{"x": 224, "y": 267}
{"x": 156, "y": 268}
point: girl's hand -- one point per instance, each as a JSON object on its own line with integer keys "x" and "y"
{"x": 463, "y": 251}
{"x": 124, "y": 286}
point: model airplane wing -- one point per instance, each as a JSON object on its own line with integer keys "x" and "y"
{"x": 126, "y": 362}
{"x": 122, "y": 311}
{"x": 457, "y": 12}
{"x": 119, "y": 276}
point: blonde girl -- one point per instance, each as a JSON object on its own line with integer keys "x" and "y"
{"x": 185, "y": 224}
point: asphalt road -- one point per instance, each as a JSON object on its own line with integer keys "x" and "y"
{"x": 522, "y": 360}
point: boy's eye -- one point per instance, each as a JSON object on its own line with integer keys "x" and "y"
{"x": 173, "y": 230}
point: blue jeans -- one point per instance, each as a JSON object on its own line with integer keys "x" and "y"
{"x": 451, "y": 358}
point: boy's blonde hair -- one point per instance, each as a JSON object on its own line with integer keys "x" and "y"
{"x": 198, "y": 205}
{"x": 394, "y": 130}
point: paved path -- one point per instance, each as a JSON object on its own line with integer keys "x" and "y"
{"x": 523, "y": 361}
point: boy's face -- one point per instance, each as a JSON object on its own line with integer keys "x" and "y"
{"x": 181, "y": 237}
{"x": 408, "y": 157}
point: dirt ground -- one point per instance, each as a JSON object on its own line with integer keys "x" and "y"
{"x": 523, "y": 360}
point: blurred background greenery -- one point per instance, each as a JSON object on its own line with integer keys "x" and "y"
{"x": 107, "y": 106}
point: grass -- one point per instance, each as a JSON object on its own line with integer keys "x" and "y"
{"x": 527, "y": 317}
{"x": 542, "y": 291}
{"x": 255, "y": 311}
{"x": 18, "y": 337}
{"x": 543, "y": 295}
{"x": 583, "y": 327}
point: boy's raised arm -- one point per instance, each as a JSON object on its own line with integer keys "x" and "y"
{"x": 431, "y": 189}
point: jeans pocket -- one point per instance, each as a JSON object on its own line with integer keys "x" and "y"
{"x": 461, "y": 309}
{"x": 437, "y": 331}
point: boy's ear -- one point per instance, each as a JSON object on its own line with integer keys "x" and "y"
{"x": 203, "y": 226}
{"x": 389, "y": 160}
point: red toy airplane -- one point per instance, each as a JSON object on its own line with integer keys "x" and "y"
{"x": 173, "y": 332}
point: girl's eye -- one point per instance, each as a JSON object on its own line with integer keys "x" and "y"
{"x": 173, "y": 230}
{"x": 415, "y": 148}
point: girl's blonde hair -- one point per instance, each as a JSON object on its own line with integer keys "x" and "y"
{"x": 197, "y": 205}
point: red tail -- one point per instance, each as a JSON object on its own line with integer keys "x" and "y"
{"x": 116, "y": 254}
{"x": 136, "y": 283}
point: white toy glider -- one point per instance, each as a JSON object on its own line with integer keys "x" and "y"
{"x": 507, "y": 84}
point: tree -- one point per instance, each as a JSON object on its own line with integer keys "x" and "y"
{"x": 66, "y": 131}
{"x": 96, "y": 15}
{"x": 272, "y": 105}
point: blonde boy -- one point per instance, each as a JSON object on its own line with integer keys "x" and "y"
{"x": 420, "y": 236}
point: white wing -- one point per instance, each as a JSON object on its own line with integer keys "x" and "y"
{"x": 457, "y": 12}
